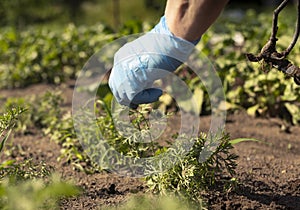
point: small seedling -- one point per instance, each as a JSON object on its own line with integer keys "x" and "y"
{"x": 7, "y": 122}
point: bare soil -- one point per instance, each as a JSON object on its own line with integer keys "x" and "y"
{"x": 268, "y": 172}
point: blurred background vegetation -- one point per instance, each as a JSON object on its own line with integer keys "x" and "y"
{"x": 113, "y": 13}
{"x": 50, "y": 41}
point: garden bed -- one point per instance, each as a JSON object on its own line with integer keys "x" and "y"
{"x": 268, "y": 172}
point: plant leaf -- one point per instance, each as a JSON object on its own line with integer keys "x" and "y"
{"x": 294, "y": 111}
{"x": 4, "y": 140}
{"x": 252, "y": 110}
{"x": 239, "y": 140}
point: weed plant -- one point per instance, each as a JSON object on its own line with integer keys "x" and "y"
{"x": 34, "y": 193}
{"x": 26, "y": 185}
{"x": 191, "y": 176}
{"x": 188, "y": 178}
{"x": 8, "y": 120}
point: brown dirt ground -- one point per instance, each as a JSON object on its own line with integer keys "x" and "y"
{"x": 268, "y": 173}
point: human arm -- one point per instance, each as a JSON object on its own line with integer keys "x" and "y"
{"x": 189, "y": 19}
{"x": 139, "y": 63}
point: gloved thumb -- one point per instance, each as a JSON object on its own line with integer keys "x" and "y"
{"x": 146, "y": 96}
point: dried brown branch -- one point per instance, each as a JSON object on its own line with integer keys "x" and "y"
{"x": 275, "y": 19}
{"x": 296, "y": 34}
{"x": 269, "y": 53}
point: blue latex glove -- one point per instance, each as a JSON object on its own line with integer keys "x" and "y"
{"x": 139, "y": 63}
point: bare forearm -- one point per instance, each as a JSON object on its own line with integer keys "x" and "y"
{"x": 189, "y": 19}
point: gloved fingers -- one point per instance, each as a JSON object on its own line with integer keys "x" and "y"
{"x": 146, "y": 96}
{"x": 139, "y": 63}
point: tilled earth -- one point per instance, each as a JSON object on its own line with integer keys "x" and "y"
{"x": 268, "y": 172}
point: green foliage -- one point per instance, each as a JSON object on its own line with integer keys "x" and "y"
{"x": 45, "y": 112}
{"x": 42, "y": 111}
{"x": 152, "y": 202}
{"x": 191, "y": 175}
{"x": 155, "y": 4}
{"x": 10, "y": 104}
{"x": 34, "y": 194}
{"x": 9, "y": 118}
{"x": 25, "y": 170}
{"x": 255, "y": 87}
{"x": 109, "y": 137}
{"x": 7, "y": 121}
{"x": 21, "y": 13}
{"x": 71, "y": 149}
{"x": 127, "y": 138}
{"x": 26, "y": 180}
{"x": 187, "y": 179}
{"x": 45, "y": 55}
{"x": 130, "y": 11}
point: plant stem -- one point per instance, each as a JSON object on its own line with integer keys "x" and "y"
{"x": 296, "y": 34}
{"x": 275, "y": 20}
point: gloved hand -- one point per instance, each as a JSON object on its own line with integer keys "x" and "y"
{"x": 139, "y": 63}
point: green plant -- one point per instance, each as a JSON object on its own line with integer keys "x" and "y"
{"x": 154, "y": 202}
{"x": 57, "y": 123}
{"x": 34, "y": 193}
{"x": 43, "y": 111}
{"x": 72, "y": 150}
{"x": 47, "y": 110}
{"x": 25, "y": 170}
{"x": 7, "y": 121}
{"x": 41, "y": 54}
{"x": 44, "y": 55}
{"x": 109, "y": 137}
{"x": 27, "y": 181}
{"x": 191, "y": 175}
{"x": 24, "y": 120}
{"x": 128, "y": 137}
{"x": 260, "y": 90}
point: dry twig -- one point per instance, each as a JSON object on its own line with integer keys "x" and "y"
{"x": 269, "y": 53}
